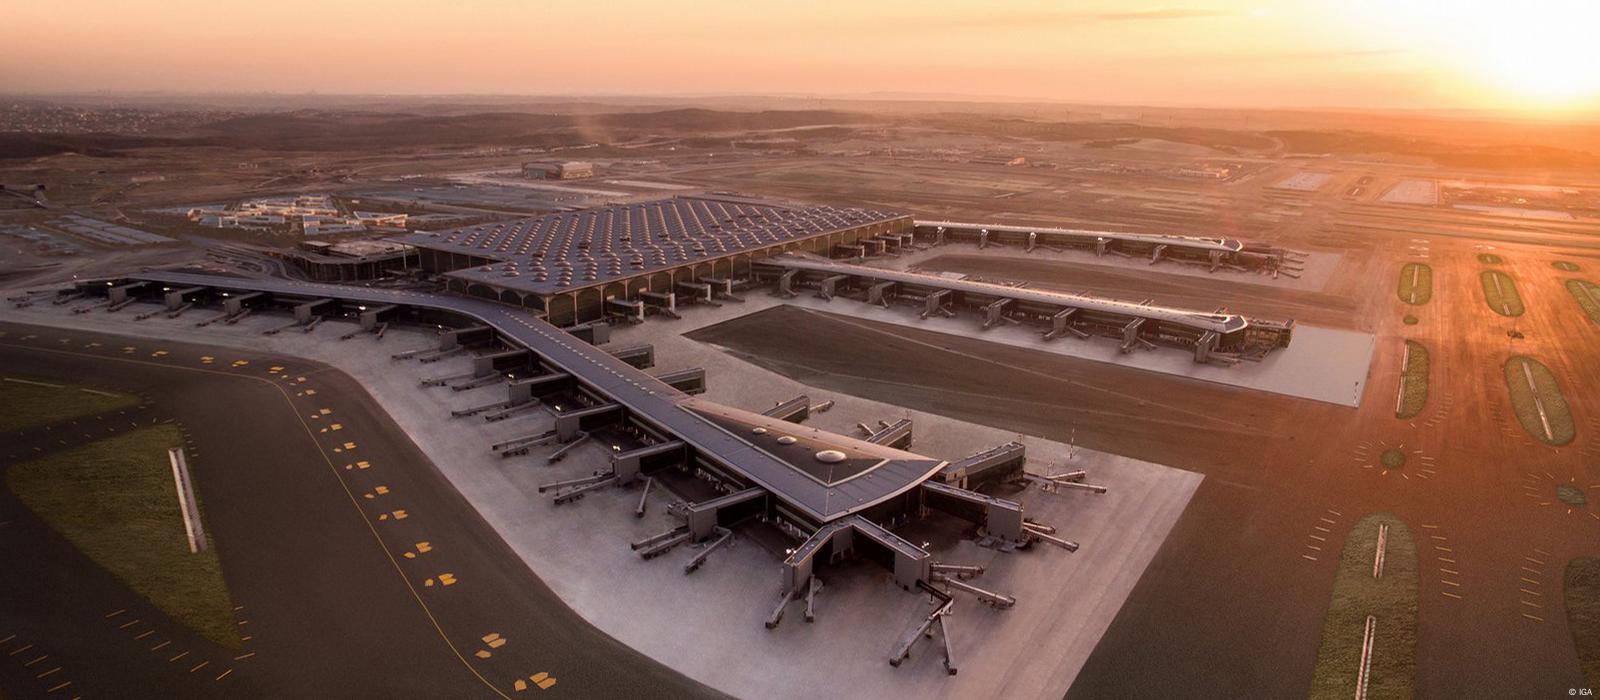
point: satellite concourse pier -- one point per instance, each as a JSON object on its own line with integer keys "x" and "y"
{"x": 837, "y": 496}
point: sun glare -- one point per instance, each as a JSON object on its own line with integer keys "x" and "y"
{"x": 1539, "y": 54}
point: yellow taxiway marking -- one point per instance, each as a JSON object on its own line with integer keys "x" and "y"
{"x": 349, "y": 445}
{"x": 160, "y": 353}
{"x": 46, "y": 673}
{"x": 445, "y": 579}
{"x": 328, "y": 461}
{"x": 324, "y": 411}
{"x": 224, "y": 674}
{"x": 483, "y": 654}
{"x": 59, "y": 687}
{"x": 311, "y": 392}
{"x": 381, "y": 490}
{"x": 242, "y": 657}
{"x": 274, "y": 369}
{"x": 494, "y": 640}
{"x": 336, "y": 426}
{"x": 199, "y": 666}
{"x": 543, "y": 680}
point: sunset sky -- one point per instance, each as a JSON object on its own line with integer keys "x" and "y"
{"x": 1539, "y": 56}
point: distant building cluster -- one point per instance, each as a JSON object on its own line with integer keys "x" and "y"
{"x": 40, "y": 118}
{"x": 313, "y": 214}
{"x": 558, "y": 170}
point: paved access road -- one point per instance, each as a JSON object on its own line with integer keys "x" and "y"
{"x": 357, "y": 569}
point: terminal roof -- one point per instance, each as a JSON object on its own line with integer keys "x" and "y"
{"x": 558, "y": 252}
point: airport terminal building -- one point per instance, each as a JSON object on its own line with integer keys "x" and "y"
{"x": 582, "y": 266}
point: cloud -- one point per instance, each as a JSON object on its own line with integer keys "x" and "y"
{"x": 1161, "y": 14}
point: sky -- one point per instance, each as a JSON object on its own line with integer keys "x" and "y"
{"x": 1538, "y": 56}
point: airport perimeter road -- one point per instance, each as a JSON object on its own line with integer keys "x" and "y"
{"x": 357, "y": 569}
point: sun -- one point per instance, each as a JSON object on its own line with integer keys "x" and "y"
{"x": 1544, "y": 52}
{"x": 1528, "y": 54}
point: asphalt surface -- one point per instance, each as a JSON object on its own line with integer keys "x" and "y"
{"x": 313, "y": 515}
{"x": 1233, "y": 604}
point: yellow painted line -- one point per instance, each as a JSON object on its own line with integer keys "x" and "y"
{"x": 1532, "y": 593}
{"x": 115, "y": 613}
{"x": 128, "y": 624}
{"x": 424, "y": 547}
{"x": 1452, "y": 595}
{"x": 49, "y": 672}
{"x": 146, "y": 634}
{"x": 224, "y": 674}
{"x": 242, "y": 657}
{"x": 159, "y": 646}
{"x": 175, "y": 658}
{"x": 483, "y": 654}
{"x": 1449, "y": 583}
{"x": 336, "y": 426}
{"x": 1533, "y": 617}
{"x": 381, "y": 490}
{"x": 42, "y": 657}
{"x": 363, "y": 464}
{"x": 199, "y": 666}
{"x": 349, "y": 445}
{"x": 399, "y": 515}
{"x": 520, "y": 685}
{"x": 59, "y": 687}
{"x": 1530, "y": 604}
{"x": 324, "y": 411}
{"x": 354, "y": 502}
{"x": 1527, "y": 580}
{"x": 311, "y": 392}
{"x": 1308, "y": 556}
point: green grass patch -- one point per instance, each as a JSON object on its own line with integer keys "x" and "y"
{"x": 1501, "y": 293}
{"x": 1409, "y": 320}
{"x": 1416, "y": 284}
{"x": 1490, "y": 259}
{"x": 1391, "y": 599}
{"x": 1565, "y": 266}
{"x": 1571, "y": 495}
{"x": 1588, "y": 296}
{"x": 1581, "y": 586}
{"x": 114, "y": 499}
{"x": 1392, "y": 459}
{"x": 1413, "y": 382}
{"x": 30, "y": 403}
{"x": 1532, "y": 387}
